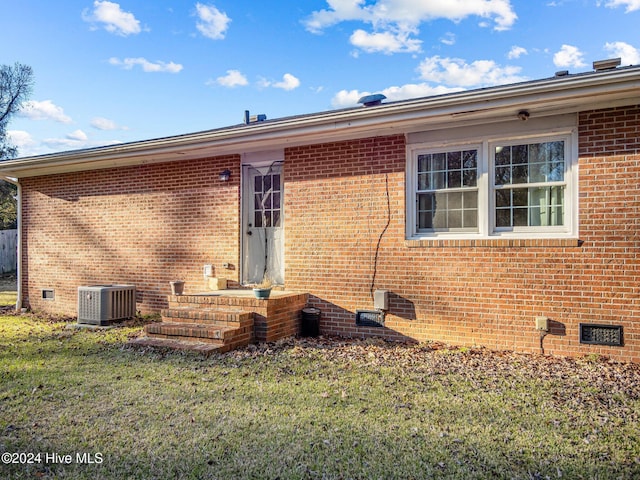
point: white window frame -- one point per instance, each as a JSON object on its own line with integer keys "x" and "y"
{"x": 454, "y": 147}
{"x": 486, "y": 188}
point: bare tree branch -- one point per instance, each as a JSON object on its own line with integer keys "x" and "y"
{"x": 16, "y": 85}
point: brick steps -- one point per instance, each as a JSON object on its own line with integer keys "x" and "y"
{"x": 220, "y": 322}
{"x": 199, "y": 328}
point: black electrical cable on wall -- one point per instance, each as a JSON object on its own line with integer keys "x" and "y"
{"x": 384, "y": 230}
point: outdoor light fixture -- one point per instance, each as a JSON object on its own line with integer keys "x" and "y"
{"x": 225, "y": 175}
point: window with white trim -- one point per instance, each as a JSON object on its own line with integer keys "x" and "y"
{"x": 447, "y": 195}
{"x": 529, "y": 185}
{"x": 524, "y": 187}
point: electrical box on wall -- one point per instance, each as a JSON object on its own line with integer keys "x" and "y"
{"x": 207, "y": 271}
{"x": 542, "y": 324}
{"x": 381, "y": 300}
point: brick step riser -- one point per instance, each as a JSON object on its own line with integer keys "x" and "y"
{"x": 210, "y": 318}
{"x": 227, "y": 345}
{"x": 208, "y": 322}
{"x": 211, "y": 341}
{"x": 212, "y": 311}
{"x": 184, "y": 330}
{"x": 204, "y": 302}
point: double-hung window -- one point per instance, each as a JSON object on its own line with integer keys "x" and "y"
{"x": 523, "y": 187}
{"x": 529, "y": 185}
{"x": 447, "y": 194}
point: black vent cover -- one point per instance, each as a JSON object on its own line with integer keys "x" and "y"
{"x": 369, "y": 318}
{"x": 601, "y": 334}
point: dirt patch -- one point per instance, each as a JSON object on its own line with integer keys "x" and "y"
{"x": 8, "y": 282}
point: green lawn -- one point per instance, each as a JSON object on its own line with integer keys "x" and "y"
{"x": 307, "y": 409}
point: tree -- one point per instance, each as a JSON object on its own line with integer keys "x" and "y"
{"x": 8, "y": 207}
{"x": 16, "y": 84}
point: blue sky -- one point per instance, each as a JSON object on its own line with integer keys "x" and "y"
{"x": 125, "y": 70}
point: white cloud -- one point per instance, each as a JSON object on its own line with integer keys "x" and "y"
{"x": 21, "y": 139}
{"x": 29, "y": 146}
{"x": 631, "y": 5}
{"x": 62, "y": 144}
{"x": 349, "y": 98}
{"x": 26, "y": 144}
{"x": 100, "y": 123}
{"x": 569, "y": 56}
{"x": 627, "y": 53}
{"x": 233, "y": 78}
{"x": 44, "y": 110}
{"x": 411, "y": 12}
{"x": 289, "y": 82}
{"x": 516, "y": 52}
{"x": 212, "y": 23}
{"x": 394, "y": 21}
{"x": 455, "y": 72}
{"x": 114, "y": 20}
{"x": 385, "y": 42}
{"x": 147, "y": 66}
{"x": 77, "y": 135}
{"x": 449, "y": 38}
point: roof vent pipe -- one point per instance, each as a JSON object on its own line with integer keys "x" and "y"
{"x": 609, "y": 64}
{"x": 372, "y": 100}
{"x": 248, "y": 118}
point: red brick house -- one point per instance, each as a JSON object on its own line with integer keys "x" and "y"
{"x": 476, "y": 211}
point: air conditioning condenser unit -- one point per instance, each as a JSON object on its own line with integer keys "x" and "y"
{"x": 105, "y": 304}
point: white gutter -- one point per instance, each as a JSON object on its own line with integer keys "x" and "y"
{"x": 542, "y": 97}
{"x": 16, "y": 182}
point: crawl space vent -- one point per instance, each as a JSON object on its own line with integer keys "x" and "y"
{"x": 369, "y": 318}
{"x": 601, "y": 334}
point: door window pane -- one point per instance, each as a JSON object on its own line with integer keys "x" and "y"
{"x": 267, "y": 200}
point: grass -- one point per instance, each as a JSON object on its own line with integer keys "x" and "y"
{"x": 307, "y": 409}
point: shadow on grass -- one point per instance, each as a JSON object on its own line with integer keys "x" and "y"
{"x": 309, "y": 408}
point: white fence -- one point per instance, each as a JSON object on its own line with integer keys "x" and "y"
{"x": 8, "y": 251}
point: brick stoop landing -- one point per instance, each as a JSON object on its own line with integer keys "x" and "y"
{"x": 223, "y": 320}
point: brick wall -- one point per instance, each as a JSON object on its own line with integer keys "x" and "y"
{"x": 143, "y": 225}
{"x": 345, "y": 235}
{"x": 351, "y": 237}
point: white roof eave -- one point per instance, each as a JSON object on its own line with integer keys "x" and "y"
{"x": 541, "y": 98}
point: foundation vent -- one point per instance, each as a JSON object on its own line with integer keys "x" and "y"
{"x": 369, "y": 318}
{"x": 103, "y": 304}
{"x": 601, "y": 334}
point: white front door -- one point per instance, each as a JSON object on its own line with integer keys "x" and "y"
{"x": 263, "y": 239}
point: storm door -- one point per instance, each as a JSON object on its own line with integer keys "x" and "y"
{"x": 263, "y": 233}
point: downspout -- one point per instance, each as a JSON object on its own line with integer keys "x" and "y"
{"x": 16, "y": 182}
